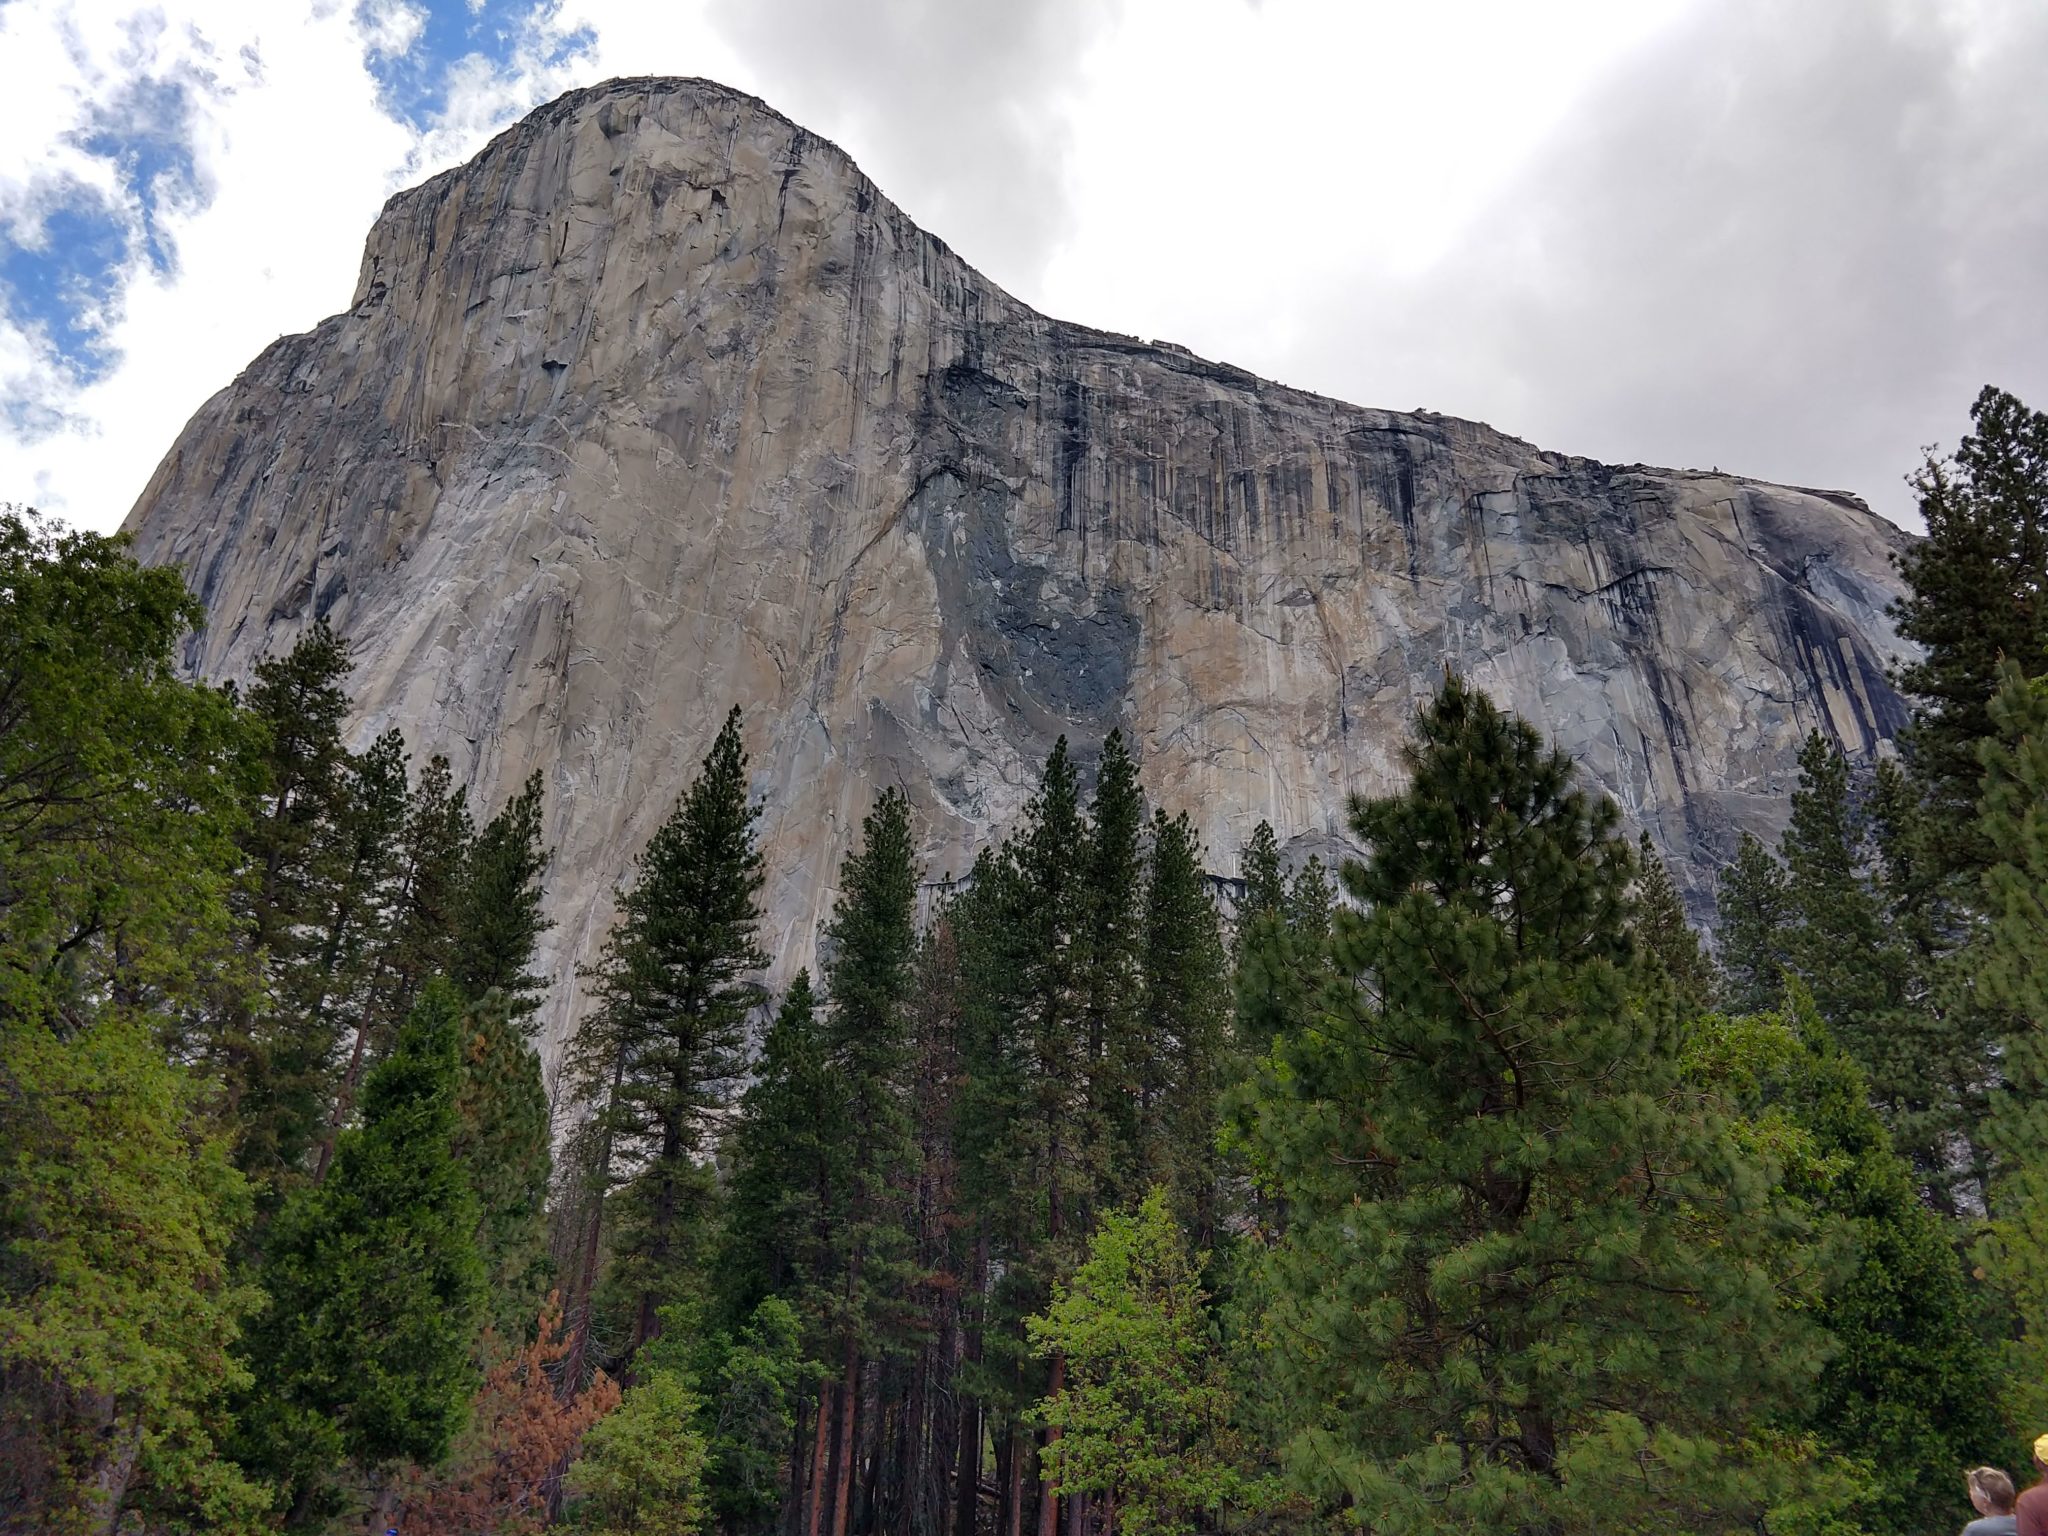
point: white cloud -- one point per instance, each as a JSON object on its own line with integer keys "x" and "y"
{"x": 286, "y": 132}
{"x": 390, "y": 27}
{"x": 1787, "y": 241}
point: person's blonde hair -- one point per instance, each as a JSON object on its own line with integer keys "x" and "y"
{"x": 1995, "y": 1486}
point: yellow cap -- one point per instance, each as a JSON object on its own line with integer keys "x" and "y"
{"x": 2041, "y": 1448}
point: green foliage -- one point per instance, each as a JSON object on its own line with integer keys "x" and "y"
{"x": 1526, "y": 1277}
{"x": 1845, "y": 943}
{"x": 502, "y": 1145}
{"x": 1265, "y": 883}
{"x": 870, "y": 945}
{"x": 1144, "y": 1415}
{"x": 1904, "y": 1390}
{"x": 1023, "y": 1044}
{"x": 2015, "y": 959}
{"x": 120, "y": 798}
{"x": 1753, "y": 914}
{"x": 1672, "y": 953}
{"x": 663, "y": 1050}
{"x": 117, "y": 1308}
{"x": 756, "y": 1385}
{"x": 642, "y": 1469}
{"x": 1120, "y": 1041}
{"x": 120, "y": 786}
{"x": 1975, "y": 591}
{"x": 1310, "y": 904}
{"x": 376, "y": 1288}
{"x": 789, "y": 1151}
{"x": 277, "y": 1059}
{"x": 1184, "y": 1028}
{"x": 497, "y": 917}
{"x": 434, "y": 848}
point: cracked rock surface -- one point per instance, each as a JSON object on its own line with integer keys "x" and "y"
{"x": 658, "y": 404}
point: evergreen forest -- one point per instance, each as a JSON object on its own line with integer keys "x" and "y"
{"x": 1467, "y": 1186}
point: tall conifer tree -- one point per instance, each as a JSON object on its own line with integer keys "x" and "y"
{"x": 1187, "y": 1019}
{"x": 1752, "y": 911}
{"x": 1975, "y": 595}
{"x": 1265, "y": 882}
{"x": 497, "y": 913}
{"x": 1524, "y": 1281}
{"x": 789, "y": 1147}
{"x": 278, "y": 1056}
{"x": 502, "y": 1141}
{"x": 2015, "y": 962}
{"x": 661, "y": 1054}
{"x": 1117, "y": 1039}
{"x": 376, "y": 1288}
{"x": 871, "y": 943}
{"x": 1665, "y": 938}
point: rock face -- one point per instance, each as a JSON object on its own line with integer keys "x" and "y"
{"x": 658, "y": 405}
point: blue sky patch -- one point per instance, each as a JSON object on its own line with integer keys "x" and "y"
{"x": 413, "y": 85}
{"x": 64, "y": 285}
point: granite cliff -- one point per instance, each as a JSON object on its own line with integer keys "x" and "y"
{"x": 658, "y": 404}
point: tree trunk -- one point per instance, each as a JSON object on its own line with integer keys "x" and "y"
{"x": 1049, "y": 1498}
{"x": 814, "y": 1496}
{"x": 121, "y": 1446}
{"x": 967, "y": 1469}
{"x": 344, "y": 1101}
{"x": 789, "y": 1519}
{"x": 1013, "y": 1492}
{"x": 849, "y": 1400}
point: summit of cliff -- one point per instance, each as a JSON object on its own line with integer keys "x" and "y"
{"x": 658, "y": 405}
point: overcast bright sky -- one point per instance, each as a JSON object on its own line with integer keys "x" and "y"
{"x": 1789, "y": 239}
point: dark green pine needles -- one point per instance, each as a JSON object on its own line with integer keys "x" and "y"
{"x": 376, "y": 1287}
{"x": 1523, "y": 1284}
{"x": 663, "y": 1051}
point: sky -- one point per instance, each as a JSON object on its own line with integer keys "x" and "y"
{"x": 1790, "y": 241}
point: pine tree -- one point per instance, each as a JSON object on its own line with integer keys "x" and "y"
{"x": 1023, "y": 1054}
{"x": 502, "y": 1141}
{"x": 870, "y": 942}
{"x": 1903, "y": 1390}
{"x": 788, "y": 1157}
{"x": 1525, "y": 1277}
{"x": 1265, "y": 883}
{"x": 498, "y": 922}
{"x": 117, "y": 1304}
{"x": 1187, "y": 1021}
{"x": 1281, "y": 959}
{"x": 662, "y": 1052}
{"x": 1673, "y": 951}
{"x": 1975, "y": 592}
{"x": 1847, "y": 948}
{"x": 1837, "y": 936}
{"x": 790, "y": 1168}
{"x": 1145, "y": 1412}
{"x": 1311, "y": 905}
{"x": 1752, "y": 909}
{"x": 2014, "y": 960}
{"x": 1118, "y": 1039}
{"x": 278, "y": 1060}
{"x": 376, "y": 1289}
{"x": 416, "y": 941}
{"x": 642, "y": 1468}
{"x": 434, "y": 849}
